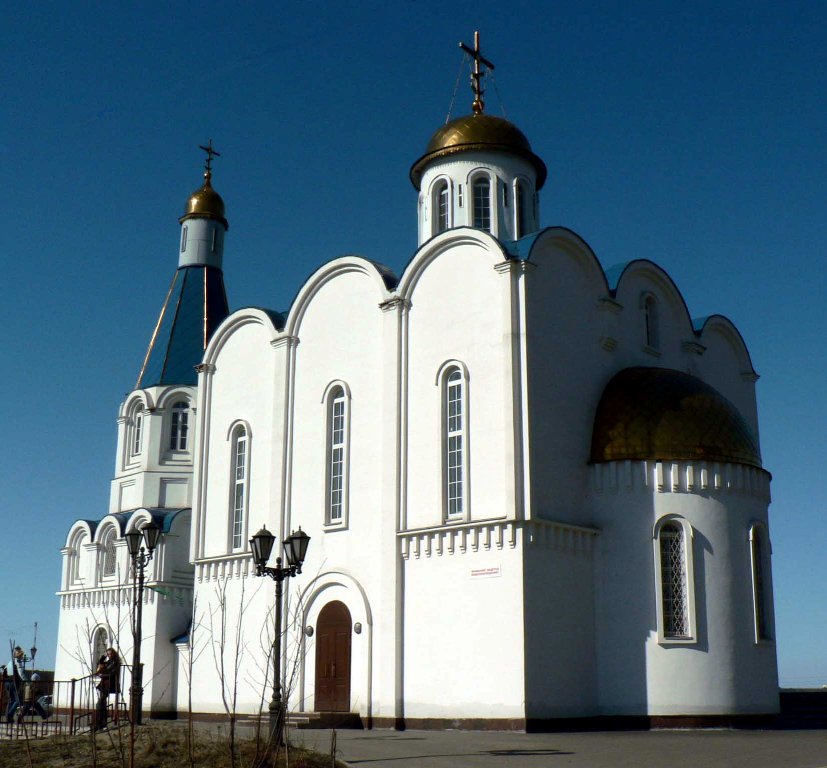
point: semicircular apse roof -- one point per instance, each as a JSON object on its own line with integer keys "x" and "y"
{"x": 663, "y": 414}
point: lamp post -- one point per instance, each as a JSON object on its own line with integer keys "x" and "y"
{"x": 295, "y": 548}
{"x": 141, "y": 555}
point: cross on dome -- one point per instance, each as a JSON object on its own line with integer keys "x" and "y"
{"x": 476, "y": 76}
{"x": 210, "y": 154}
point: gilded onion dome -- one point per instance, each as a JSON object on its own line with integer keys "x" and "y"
{"x": 205, "y": 203}
{"x": 476, "y": 133}
{"x": 662, "y": 414}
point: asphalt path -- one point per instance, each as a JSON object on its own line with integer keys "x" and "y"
{"x": 635, "y": 749}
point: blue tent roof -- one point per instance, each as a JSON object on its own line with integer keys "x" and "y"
{"x": 195, "y": 305}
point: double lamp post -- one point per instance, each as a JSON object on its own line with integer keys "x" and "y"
{"x": 295, "y": 549}
{"x": 141, "y": 545}
{"x": 140, "y": 554}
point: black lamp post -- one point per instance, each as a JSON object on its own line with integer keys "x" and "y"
{"x": 295, "y": 548}
{"x": 141, "y": 555}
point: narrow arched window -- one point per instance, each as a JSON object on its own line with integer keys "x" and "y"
{"x": 184, "y": 240}
{"x": 454, "y": 444}
{"x": 179, "y": 426}
{"x": 100, "y": 642}
{"x": 650, "y": 314}
{"x": 108, "y": 545}
{"x": 74, "y": 557}
{"x": 137, "y": 429}
{"x": 673, "y": 581}
{"x": 239, "y": 486}
{"x": 521, "y": 211}
{"x": 337, "y": 464}
{"x": 482, "y": 203}
{"x": 441, "y": 207}
{"x": 760, "y": 591}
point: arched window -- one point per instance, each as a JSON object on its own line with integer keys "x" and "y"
{"x": 482, "y": 203}
{"x": 441, "y": 207}
{"x": 74, "y": 557}
{"x": 674, "y": 585}
{"x": 650, "y": 315}
{"x": 239, "y": 486}
{"x": 179, "y": 426}
{"x": 521, "y": 210}
{"x": 100, "y": 642}
{"x": 184, "y": 239}
{"x": 108, "y": 545}
{"x": 455, "y": 449}
{"x": 760, "y": 588}
{"x": 338, "y": 419}
{"x": 137, "y": 428}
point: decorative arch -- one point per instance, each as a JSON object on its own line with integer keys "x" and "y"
{"x": 663, "y": 286}
{"x": 436, "y": 246}
{"x": 236, "y": 321}
{"x": 344, "y": 587}
{"x": 382, "y": 277}
{"x": 724, "y": 327}
{"x": 541, "y": 246}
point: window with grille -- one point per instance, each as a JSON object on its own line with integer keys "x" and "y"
{"x": 337, "y": 426}
{"x": 454, "y": 441}
{"x": 674, "y": 590}
{"x": 238, "y": 489}
{"x": 762, "y": 631}
{"x": 179, "y": 426}
{"x": 441, "y": 207}
{"x": 109, "y": 552}
{"x": 482, "y": 203}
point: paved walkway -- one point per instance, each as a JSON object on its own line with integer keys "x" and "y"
{"x": 636, "y": 749}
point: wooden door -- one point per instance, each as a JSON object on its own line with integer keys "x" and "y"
{"x": 333, "y": 658}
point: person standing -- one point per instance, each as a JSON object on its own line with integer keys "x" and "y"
{"x": 109, "y": 671}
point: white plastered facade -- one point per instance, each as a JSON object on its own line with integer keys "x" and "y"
{"x": 526, "y": 586}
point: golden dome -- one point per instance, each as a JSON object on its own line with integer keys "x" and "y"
{"x": 205, "y": 203}
{"x": 663, "y": 414}
{"x": 478, "y": 132}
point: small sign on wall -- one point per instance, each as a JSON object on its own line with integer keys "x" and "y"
{"x": 491, "y": 572}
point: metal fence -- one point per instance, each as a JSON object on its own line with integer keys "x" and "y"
{"x": 69, "y": 705}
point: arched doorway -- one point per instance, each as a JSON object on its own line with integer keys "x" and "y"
{"x": 333, "y": 630}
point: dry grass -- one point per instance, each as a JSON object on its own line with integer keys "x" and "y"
{"x": 158, "y": 745}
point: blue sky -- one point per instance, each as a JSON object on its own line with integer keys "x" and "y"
{"x": 690, "y": 134}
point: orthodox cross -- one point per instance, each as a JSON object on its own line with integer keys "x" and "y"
{"x": 477, "y": 74}
{"x": 210, "y": 154}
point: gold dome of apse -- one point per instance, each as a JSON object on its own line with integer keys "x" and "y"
{"x": 662, "y": 414}
{"x": 478, "y": 132}
{"x": 205, "y": 203}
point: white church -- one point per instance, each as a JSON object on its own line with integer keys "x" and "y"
{"x": 533, "y": 485}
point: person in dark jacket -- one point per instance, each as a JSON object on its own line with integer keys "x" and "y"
{"x": 109, "y": 671}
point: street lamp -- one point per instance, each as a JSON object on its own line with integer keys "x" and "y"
{"x": 295, "y": 548}
{"x": 141, "y": 555}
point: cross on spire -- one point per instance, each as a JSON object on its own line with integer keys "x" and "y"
{"x": 477, "y": 75}
{"x": 210, "y": 154}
